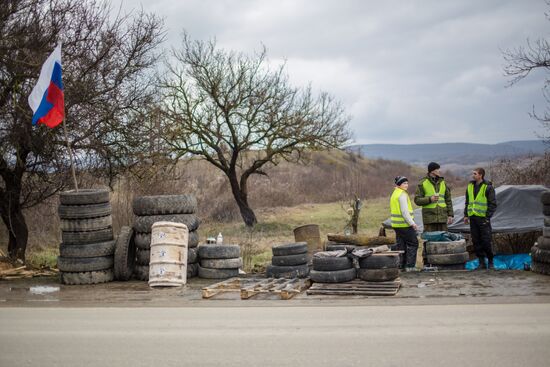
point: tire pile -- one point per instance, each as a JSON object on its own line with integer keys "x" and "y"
{"x": 332, "y": 269}
{"x": 288, "y": 261}
{"x": 168, "y": 208}
{"x": 87, "y": 248}
{"x": 450, "y": 255}
{"x": 540, "y": 252}
{"x": 378, "y": 268}
{"x": 219, "y": 261}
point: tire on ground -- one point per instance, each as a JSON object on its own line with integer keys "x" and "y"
{"x": 540, "y": 255}
{"x": 144, "y": 223}
{"x": 289, "y": 260}
{"x": 379, "y": 262}
{"x": 84, "y": 264}
{"x": 192, "y": 255}
{"x": 164, "y": 204}
{"x": 89, "y": 250}
{"x": 377, "y": 275}
{"x": 125, "y": 254}
{"x": 208, "y": 273}
{"x": 298, "y": 271}
{"x": 541, "y": 268}
{"x": 439, "y": 248}
{"x": 84, "y": 197}
{"x": 91, "y": 277}
{"x": 543, "y": 243}
{"x": 546, "y": 210}
{"x": 340, "y": 246}
{"x": 337, "y": 276}
{"x": 85, "y": 225}
{"x": 83, "y": 238}
{"x": 332, "y": 263}
{"x": 141, "y": 272}
{"x": 192, "y": 270}
{"x": 547, "y": 221}
{"x": 84, "y": 211}
{"x": 290, "y": 249}
{"x": 235, "y": 263}
{"x": 451, "y": 267}
{"x": 546, "y": 231}
{"x": 545, "y": 197}
{"x": 143, "y": 257}
{"x": 448, "y": 259}
{"x": 219, "y": 251}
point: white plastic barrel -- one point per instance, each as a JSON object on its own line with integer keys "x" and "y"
{"x": 168, "y": 261}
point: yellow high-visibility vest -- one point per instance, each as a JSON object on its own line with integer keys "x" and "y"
{"x": 429, "y": 191}
{"x": 397, "y": 219}
{"x": 477, "y": 206}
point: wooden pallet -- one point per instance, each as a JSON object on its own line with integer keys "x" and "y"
{"x": 356, "y": 288}
{"x": 249, "y": 287}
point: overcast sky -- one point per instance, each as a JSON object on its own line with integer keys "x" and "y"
{"x": 407, "y": 71}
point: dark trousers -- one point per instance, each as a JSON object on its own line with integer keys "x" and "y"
{"x": 408, "y": 242}
{"x": 481, "y": 231}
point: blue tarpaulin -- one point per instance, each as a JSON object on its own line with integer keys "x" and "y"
{"x": 505, "y": 262}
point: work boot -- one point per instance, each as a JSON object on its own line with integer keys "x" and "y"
{"x": 491, "y": 265}
{"x": 481, "y": 265}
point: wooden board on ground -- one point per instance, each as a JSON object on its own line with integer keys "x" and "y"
{"x": 356, "y": 287}
{"x": 360, "y": 240}
{"x": 249, "y": 287}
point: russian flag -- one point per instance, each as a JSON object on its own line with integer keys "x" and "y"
{"x": 46, "y": 99}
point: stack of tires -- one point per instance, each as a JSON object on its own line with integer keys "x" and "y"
{"x": 87, "y": 248}
{"x": 540, "y": 253}
{"x": 332, "y": 270}
{"x": 378, "y": 268}
{"x": 164, "y": 208}
{"x": 335, "y": 246}
{"x": 289, "y": 261}
{"x": 219, "y": 261}
{"x": 450, "y": 255}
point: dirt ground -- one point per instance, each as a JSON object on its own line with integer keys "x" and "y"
{"x": 453, "y": 287}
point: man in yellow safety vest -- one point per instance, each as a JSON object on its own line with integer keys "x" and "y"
{"x": 402, "y": 222}
{"x": 480, "y": 205}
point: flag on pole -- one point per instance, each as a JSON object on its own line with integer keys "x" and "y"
{"x": 46, "y": 99}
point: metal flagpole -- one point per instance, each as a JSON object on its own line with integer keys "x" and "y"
{"x": 70, "y": 155}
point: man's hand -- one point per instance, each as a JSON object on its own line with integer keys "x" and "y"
{"x": 466, "y": 220}
{"x": 450, "y": 220}
{"x": 415, "y": 227}
{"x": 434, "y": 198}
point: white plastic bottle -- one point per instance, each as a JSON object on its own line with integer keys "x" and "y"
{"x": 219, "y": 239}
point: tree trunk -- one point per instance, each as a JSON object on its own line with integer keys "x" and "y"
{"x": 13, "y": 218}
{"x": 241, "y": 197}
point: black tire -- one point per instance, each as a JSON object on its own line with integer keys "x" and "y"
{"x": 298, "y": 271}
{"x": 84, "y": 238}
{"x": 440, "y": 248}
{"x": 84, "y": 197}
{"x": 290, "y": 249}
{"x": 84, "y": 264}
{"x": 541, "y": 268}
{"x": 540, "y": 255}
{"x": 543, "y": 243}
{"x": 141, "y": 272}
{"x": 192, "y": 270}
{"x": 547, "y": 221}
{"x": 379, "y": 262}
{"x": 91, "y": 277}
{"x": 86, "y": 225}
{"x": 332, "y": 263}
{"x": 289, "y": 260}
{"x": 208, "y": 273}
{"x": 143, "y": 257}
{"x": 145, "y": 222}
{"x": 125, "y": 254}
{"x": 546, "y": 210}
{"x": 84, "y": 211}
{"x": 164, "y": 204}
{"x": 192, "y": 255}
{"x": 448, "y": 259}
{"x": 222, "y": 263}
{"x": 377, "y": 275}
{"x": 546, "y": 231}
{"x": 340, "y": 246}
{"x": 545, "y": 197}
{"x": 219, "y": 251}
{"x": 451, "y": 267}
{"x": 89, "y": 250}
{"x": 337, "y": 276}
{"x": 143, "y": 240}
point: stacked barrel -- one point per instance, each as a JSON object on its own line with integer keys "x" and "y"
{"x": 87, "y": 247}
{"x": 540, "y": 252}
{"x": 164, "y": 208}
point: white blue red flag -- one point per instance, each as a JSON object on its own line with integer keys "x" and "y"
{"x": 46, "y": 99}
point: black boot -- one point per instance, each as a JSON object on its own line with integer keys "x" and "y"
{"x": 481, "y": 265}
{"x": 491, "y": 265}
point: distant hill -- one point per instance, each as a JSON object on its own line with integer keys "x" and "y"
{"x": 450, "y": 153}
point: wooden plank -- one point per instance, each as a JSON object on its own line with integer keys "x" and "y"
{"x": 360, "y": 240}
{"x": 229, "y": 285}
{"x": 293, "y": 289}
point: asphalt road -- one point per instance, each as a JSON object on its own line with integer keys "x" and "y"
{"x": 457, "y": 335}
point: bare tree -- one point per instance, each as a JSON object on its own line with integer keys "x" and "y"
{"x": 106, "y": 61}
{"x": 524, "y": 60}
{"x": 235, "y": 112}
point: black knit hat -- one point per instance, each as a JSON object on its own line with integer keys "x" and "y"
{"x": 433, "y": 166}
{"x": 399, "y": 180}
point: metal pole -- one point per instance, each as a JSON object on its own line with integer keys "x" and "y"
{"x": 70, "y": 155}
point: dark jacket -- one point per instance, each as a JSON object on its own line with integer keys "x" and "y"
{"x": 491, "y": 198}
{"x": 437, "y": 214}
